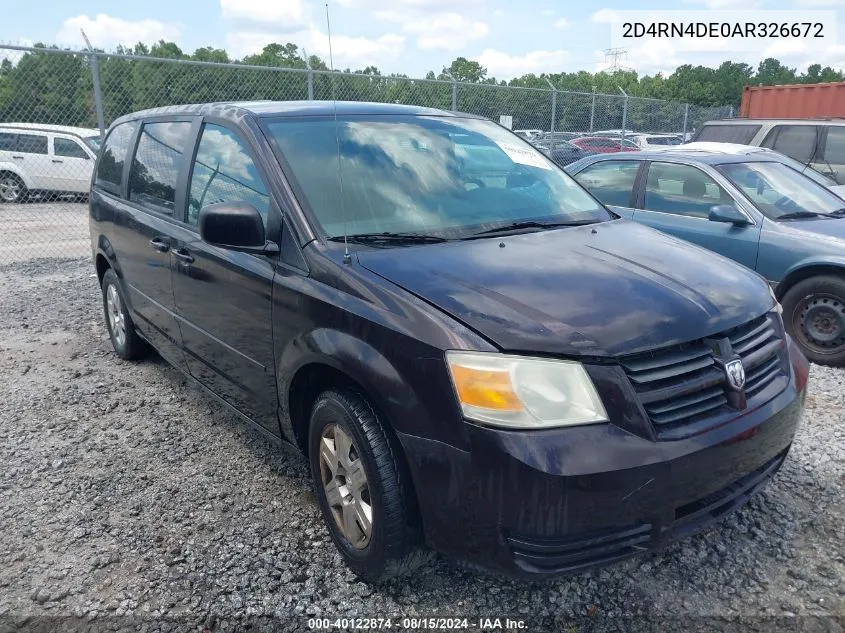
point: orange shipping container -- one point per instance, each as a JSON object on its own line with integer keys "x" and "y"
{"x": 798, "y": 101}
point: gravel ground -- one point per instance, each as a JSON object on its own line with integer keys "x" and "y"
{"x": 129, "y": 499}
{"x": 35, "y": 229}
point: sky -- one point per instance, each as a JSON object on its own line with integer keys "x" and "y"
{"x": 407, "y": 36}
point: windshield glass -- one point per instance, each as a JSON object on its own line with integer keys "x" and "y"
{"x": 93, "y": 142}
{"x": 778, "y": 190}
{"x": 445, "y": 176}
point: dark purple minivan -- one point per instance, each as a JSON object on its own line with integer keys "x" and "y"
{"x": 476, "y": 356}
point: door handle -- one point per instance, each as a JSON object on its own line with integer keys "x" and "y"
{"x": 17, "y": 157}
{"x": 56, "y": 160}
{"x": 160, "y": 245}
{"x": 184, "y": 256}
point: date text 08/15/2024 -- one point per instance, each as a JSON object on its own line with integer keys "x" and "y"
{"x": 417, "y": 624}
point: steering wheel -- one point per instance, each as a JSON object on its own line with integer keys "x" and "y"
{"x": 479, "y": 184}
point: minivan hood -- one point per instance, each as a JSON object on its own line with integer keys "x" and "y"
{"x": 600, "y": 290}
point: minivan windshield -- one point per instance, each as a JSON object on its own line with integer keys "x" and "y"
{"x": 781, "y": 192}
{"x": 438, "y": 176}
{"x": 93, "y": 142}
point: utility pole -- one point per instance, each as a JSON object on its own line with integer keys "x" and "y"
{"x": 310, "y": 76}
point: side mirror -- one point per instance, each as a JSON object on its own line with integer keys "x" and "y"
{"x": 236, "y": 226}
{"x": 727, "y": 213}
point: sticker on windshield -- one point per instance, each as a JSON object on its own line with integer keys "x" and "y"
{"x": 524, "y": 156}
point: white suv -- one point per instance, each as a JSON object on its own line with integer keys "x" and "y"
{"x": 45, "y": 159}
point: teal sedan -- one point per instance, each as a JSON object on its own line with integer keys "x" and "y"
{"x": 754, "y": 210}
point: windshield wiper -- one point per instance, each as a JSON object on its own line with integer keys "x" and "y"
{"x": 838, "y": 213}
{"x": 528, "y": 224}
{"x": 390, "y": 237}
{"x": 798, "y": 215}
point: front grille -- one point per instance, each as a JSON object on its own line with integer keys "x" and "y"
{"x": 580, "y": 551}
{"x": 681, "y": 388}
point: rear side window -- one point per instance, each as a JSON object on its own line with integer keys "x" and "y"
{"x": 157, "y": 163}
{"x": 68, "y": 148}
{"x": 113, "y": 157}
{"x": 796, "y": 141}
{"x": 8, "y": 141}
{"x": 611, "y": 181}
{"x": 741, "y": 134}
{"x": 32, "y": 144}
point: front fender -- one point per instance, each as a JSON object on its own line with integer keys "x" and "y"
{"x": 807, "y": 267}
{"x": 391, "y": 384}
{"x": 816, "y": 261}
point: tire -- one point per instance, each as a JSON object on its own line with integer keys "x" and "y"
{"x": 814, "y": 315}
{"x": 124, "y": 337}
{"x": 12, "y": 188}
{"x": 393, "y": 545}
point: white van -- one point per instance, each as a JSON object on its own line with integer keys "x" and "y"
{"x": 52, "y": 160}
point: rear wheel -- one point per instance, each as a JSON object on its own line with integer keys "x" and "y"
{"x": 814, "y": 314}
{"x": 124, "y": 338}
{"x": 363, "y": 488}
{"x": 12, "y": 188}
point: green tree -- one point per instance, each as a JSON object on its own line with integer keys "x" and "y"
{"x": 771, "y": 72}
{"x": 463, "y": 69}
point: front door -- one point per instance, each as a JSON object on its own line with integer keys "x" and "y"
{"x": 677, "y": 199}
{"x": 223, "y": 297}
{"x": 73, "y": 164}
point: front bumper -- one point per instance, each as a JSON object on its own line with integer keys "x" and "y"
{"x": 554, "y": 502}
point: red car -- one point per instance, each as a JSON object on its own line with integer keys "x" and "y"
{"x": 604, "y": 145}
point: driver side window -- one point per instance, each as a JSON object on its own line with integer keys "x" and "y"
{"x": 682, "y": 190}
{"x": 224, "y": 172}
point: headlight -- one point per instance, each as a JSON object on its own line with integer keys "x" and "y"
{"x": 525, "y": 393}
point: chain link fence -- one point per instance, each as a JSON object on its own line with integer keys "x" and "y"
{"x": 54, "y": 105}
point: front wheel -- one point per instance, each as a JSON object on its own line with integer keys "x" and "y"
{"x": 363, "y": 488}
{"x": 814, "y": 314}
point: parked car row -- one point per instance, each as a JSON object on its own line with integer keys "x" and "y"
{"x": 38, "y": 160}
{"x": 476, "y": 354}
{"x": 567, "y": 147}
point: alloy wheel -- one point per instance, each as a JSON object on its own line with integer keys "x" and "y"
{"x": 117, "y": 320}
{"x": 345, "y": 484}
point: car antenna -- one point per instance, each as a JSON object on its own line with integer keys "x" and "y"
{"x": 346, "y": 258}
